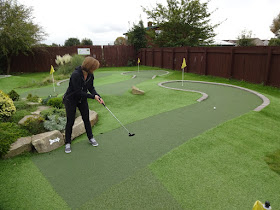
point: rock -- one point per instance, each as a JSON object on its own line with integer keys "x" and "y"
{"x": 39, "y": 109}
{"x": 79, "y": 128}
{"x": 22, "y": 121}
{"x": 21, "y": 145}
{"x": 33, "y": 103}
{"x": 48, "y": 141}
{"x": 137, "y": 91}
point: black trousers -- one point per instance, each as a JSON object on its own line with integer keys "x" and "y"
{"x": 70, "y": 107}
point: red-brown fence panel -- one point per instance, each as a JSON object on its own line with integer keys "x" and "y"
{"x": 42, "y": 57}
{"x": 252, "y": 64}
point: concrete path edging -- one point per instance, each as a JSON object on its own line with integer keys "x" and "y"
{"x": 134, "y": 76}
{"x": 4, "y": 76}
{"x": 204, "y": 95}
{"x": 265, "y": 100}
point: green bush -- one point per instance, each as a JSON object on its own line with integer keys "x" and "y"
{"x": 55, "y": 122}
{"x": 56, "y": 102}
{"x": 46, "y": 100}
{"x": 13, "y": 95}
{"x": 68, "y": 68}
{"x": 34, "y": 125}
{"x": 32, "y": 98}
{"x": 7, "y": 107}
{"x": 23, "y": 105}
{"x": 10, "y": 132}
{"x": 53, "y": 111}
{"x": 131, "y": 63}
{"x": 274, "y": 42}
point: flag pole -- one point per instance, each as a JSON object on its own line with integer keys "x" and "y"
{"x": 183, "y": 69}
{"x": 51, "y": 72}
{"x": 138, "y": 64}
{"x": 182, "y": 77}
{"x": 53, "y": 83}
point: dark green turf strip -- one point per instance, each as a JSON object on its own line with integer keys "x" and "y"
{"x": 140, "y": 191}
{"x": 88, "y": 172}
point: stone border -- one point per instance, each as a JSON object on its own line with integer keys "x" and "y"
{"x": 265, "y": 100}
{"x": 154, "y": 76}
{"x": 4, "y": 76}
{"x": 59, "y": 82}
{"x": 204, "y": 95}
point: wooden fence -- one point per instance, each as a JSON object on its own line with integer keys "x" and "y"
{"x": 42, "y": 58}
{"x": 252, "y": 64}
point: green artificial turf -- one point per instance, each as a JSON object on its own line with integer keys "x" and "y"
{"x": 118, "y": 157}
{"x": 23, "y": 186}
{"x": 273, "y": 160}
{"x": 224, "y": 168}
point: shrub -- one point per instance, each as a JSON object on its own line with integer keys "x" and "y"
{"x": 55, "y": 122}
{"x": 13, "y": 95}
{"x": 274, "y": 42}
{"x": 46, "y": 100}
{"x": 7, "y": 107}
{"x": 34, "y": 125}
{"x": 53, "y": 111}
{"x": 32, "y": 98}
{"x": 63, "y": 60}
{"x": 10, "y": 132}
{"x": 68, "y": 68}
{"x": 131, "y": 63}
{"x": 56, "y": 102}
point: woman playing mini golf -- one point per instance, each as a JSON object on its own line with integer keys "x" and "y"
{"x": 81, "y": 82}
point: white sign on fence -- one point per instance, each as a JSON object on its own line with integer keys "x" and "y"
{"x": 83, "y": 51}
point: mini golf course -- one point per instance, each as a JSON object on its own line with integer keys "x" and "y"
{"x": 116, "y": 174}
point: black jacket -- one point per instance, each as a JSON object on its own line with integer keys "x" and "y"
{"x": 79, "y": 87}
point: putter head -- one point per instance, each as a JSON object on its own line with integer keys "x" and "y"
{"x": 131, "y": 134}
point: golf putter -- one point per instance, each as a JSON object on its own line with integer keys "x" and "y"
{"x": 129, "y": 134}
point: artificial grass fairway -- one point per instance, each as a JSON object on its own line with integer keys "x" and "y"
{"x": 91, "y": 172}
{"x": 255, "y": 185}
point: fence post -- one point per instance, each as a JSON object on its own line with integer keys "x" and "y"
{"x": 172, "y": 64}
{"x": 153, "y": 56}
{"x": 205, "y": 61}
{"x": 144, "y": 57}
{"x": 268, "y": 66}
{"x": 231, "y": 63}
{"x": 187, "y": 60}
{"x": 161, "y": 62}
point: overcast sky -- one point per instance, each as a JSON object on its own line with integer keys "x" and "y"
{"x": 103, "y": 21}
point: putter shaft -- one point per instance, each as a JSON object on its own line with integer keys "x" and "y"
{"x": 118, "y": 120}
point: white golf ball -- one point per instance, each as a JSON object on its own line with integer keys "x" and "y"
{"x": 214, "y": 107}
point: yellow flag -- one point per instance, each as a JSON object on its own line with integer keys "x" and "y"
{"x": 52, "y": 70}
{"x": 138, "y": 60}
{"x": 258, "y": 206}
{"x": 184, "y": 63}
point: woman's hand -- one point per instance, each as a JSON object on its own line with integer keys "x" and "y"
{"x": 99, "y": 99}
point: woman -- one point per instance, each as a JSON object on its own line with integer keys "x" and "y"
{"x": 81, "y": 82}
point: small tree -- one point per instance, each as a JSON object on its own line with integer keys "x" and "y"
{"x": 120, "y": 41}
{"x": 18, "y": 33}
{"x": 86, "y": 41}
{"x": 275, "y": 27}
{"x": 137, "y": 36}
{"x": 182, "y": 23}
{"x": 245, "y": 39}
{"x": 72, "y": 42}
